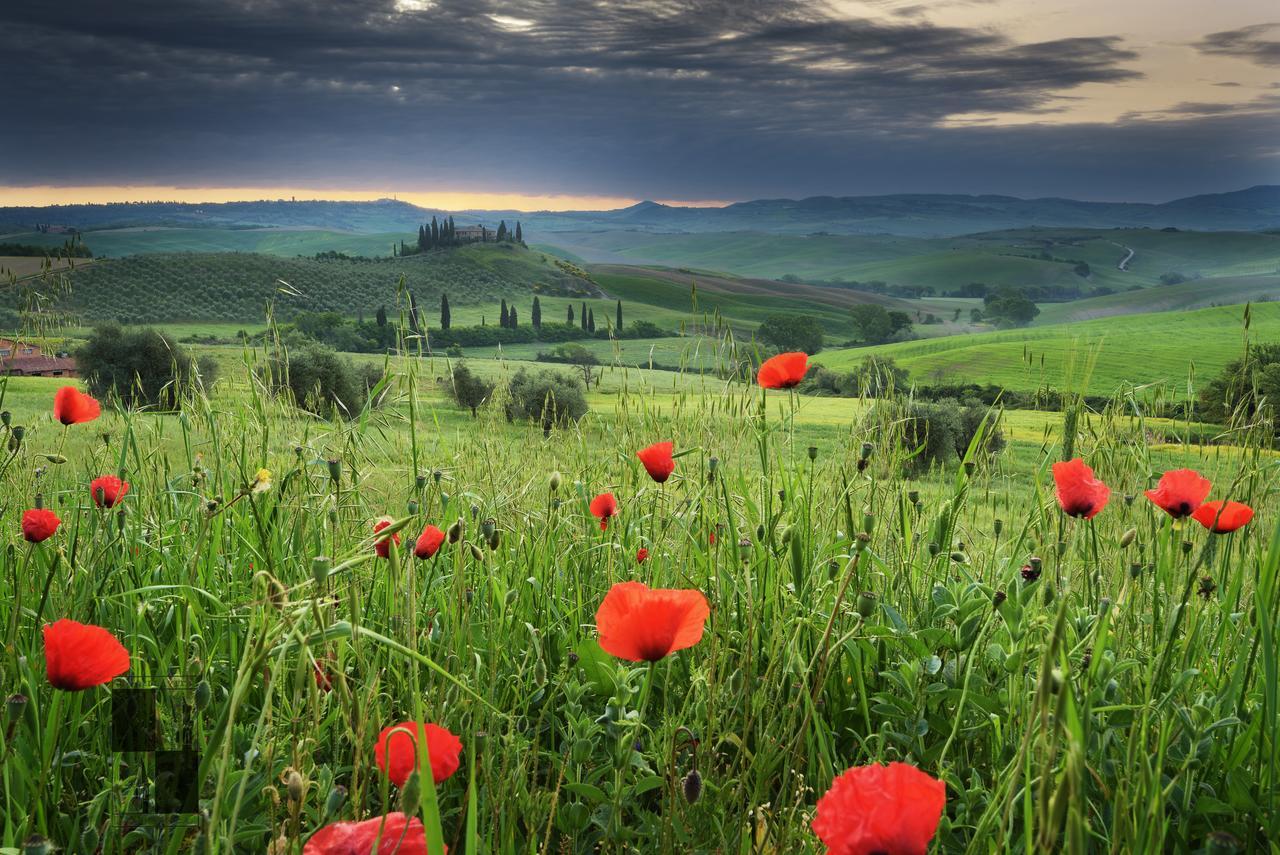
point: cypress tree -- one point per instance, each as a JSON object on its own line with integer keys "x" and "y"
{"x": 619, "y": 321}
{"x": 435, "y": 231}
{"x": 502, "y": 230}
{"x": 513, "y": 320}
{"x": 582, "y": 316}
{"x": 381, "y": 317}
{"x": 570, "y": 314}
{"x": 536, "y": 314}
{"x": 504, "y": 318}
{"x": 422, "y": 238}
{"x": 591, "y": 320}
{"x": 519, "y": 236}
{"x": 444, "y": 311}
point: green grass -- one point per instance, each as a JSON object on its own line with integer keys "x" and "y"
{"x": 1194, "y": 294}
{"x": 1146, "y": 712}
{"x": 115, "y": 243}
{"x": 1095, "y": 357}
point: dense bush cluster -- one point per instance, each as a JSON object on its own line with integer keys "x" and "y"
{"x": 935, "y": 433}
{"x": 323, "y": 382}
{"x": 139, "y": 367}
{"x": 549, "y": 398}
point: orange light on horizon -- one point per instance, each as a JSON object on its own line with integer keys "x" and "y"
{"x": 448, "y": 200}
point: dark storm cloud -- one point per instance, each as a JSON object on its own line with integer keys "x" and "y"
{"x": 1259, "y": 43}
{"x": 688, "y": 99}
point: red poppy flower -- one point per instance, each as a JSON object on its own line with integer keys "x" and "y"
{"x": 1080, "y": 494}
{"x": 396, "y": 756}
{"x": 783, "y": 371}
{"x": 428, "y": 542}
{"x": 657, "y": 460}
{"x": 382, "y": 545}
{"x": 72, "y": 407}
{"x": 107, "y": 490}
{"x": 1223, "y": 517}
{"x": 39, "y": 524}
{"x": 395, "y": 833}
{"x": 604, "y": 506}
{"x": 80, "y": 656}
{"x": 642, "y": 555}
{"x": 643, "y": 625}
{"x": 323, "y": 672}
{"x": 1180, "y": 492}
{"x": 892, "y": 809}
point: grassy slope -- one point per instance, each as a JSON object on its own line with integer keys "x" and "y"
{"x": 1196, "y": 294}
{"x": 288, "y": 242}
{"x": 1140, "y": 349}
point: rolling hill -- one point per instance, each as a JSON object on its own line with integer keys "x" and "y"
{"x": 235, "y": 287}
{"x": 1095, "y": 357}
{"x": 923, "y": 215}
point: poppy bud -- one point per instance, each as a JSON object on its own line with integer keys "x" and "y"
{"x": 934, "y": 548}
{"x": 866, "y": 604}
{"x": 999, "y": 598}
{"x": 335, "y": 469}
{"x": 320, "y": 568}
{"x": 488, "y": 527}
{"x": 55, "y": 458}
{"x": 293, "y": 785}
{"x": 760, "y": 532}
{"x": 784, "y": 535}
{"x": 15, "y": 437}
{"x": 455, "y": 531}
{"x": 782, "y": 496}
{"x": 495, "y": 539}
{"x": 572, "y": 659}
{"x": 1135, "y": 569}
{"x": 692, "y": 786}
{"x": 1128, "y": 537}
{"x": 1186, "y": 545}
{"x": 203, "y": 695}
{"x": 15, "y": 706}
{"x": 120, "y": 519}
{"x": 411, "y": 794}
{"x": 37, "y": 845}
{"x": 6, "y": 417}
{"x": 1061, "y": 548}
{"x": 556, "y": 480}
{"x": 959, "y": 558}
{"x": 412, "y": 507}
{"x": 444, "y": 498}
{"x": 333, "y": 804}
{"x": 867, "y": 448}
{"x": 998, "y": 526}
{"x": 476, "y": 553}
{"x": 813, "y": 452}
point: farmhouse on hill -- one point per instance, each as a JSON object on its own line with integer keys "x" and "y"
{"x": 478, "y": 233}
{"x": 23, "y": 359}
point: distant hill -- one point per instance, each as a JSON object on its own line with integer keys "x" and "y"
{"x": 236, "y": 287}
{"x": 921, "y": 215}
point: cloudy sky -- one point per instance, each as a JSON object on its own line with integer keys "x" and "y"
{"x": 591, "y": 103}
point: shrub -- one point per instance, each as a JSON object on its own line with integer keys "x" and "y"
{"x": 141, "y": 367}
{"x": 547, "y": 397}
{"x": 469, "y": 389}
{"x": 323, "y": 382}
{"x": 791, "y": 332}
{"x": 937, "y": 433}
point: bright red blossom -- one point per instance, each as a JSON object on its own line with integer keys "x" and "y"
{"x": 395, "y": 833}
{"x": 396, "y": 754}
{"x": 79, "y": 656}
{"x": 72, "y": 407}
{"x": 640, "y": 624}
{"x": 382, "y": 545}
{"x": 642, "y": 555}
{"x": 1180, "y": 492}
{"x": 783, "y": 371}
{"x": 603, "y": 507}
{"x": 1223, "y": 517}
{"x": 39, "y": 524}
{"x": 428, "y": 542}
{"x": 657, "y": 460}
{"x": 1080, "y": 494}
{"x": 892, "y": 809}
{"x": 107, "y": 490}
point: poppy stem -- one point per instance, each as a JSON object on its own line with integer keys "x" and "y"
{"x": 48, "y": 583}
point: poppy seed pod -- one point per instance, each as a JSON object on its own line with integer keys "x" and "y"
{"x": 860, "y": 541}
{"x": 455, "y": 531}
{"x": 15, "y": 437}
{"x": 412, "y": 507}
{"x": 1135, "y": 569}
{"x": 813, "y": 452}
{"x": 420, "y": 481}
{"x": 337, "y": 797}
{"x": 6, "y": 417}
{"x": 868, "y": 522}
{"x": 1186, "y": 545}
{"x": 692, "y": 786}
{"x": 320, "y": 568}
{"x": 934, "y": 548}
{"x": 969, "y": 467}
{"x": 335, "y": 469}
{"x": 1128, "y": 537}
{"x": 867, "y": 448}
{"x": 488, "y": 527}
{"x": 436, "y": 475}
{"x": 1128, "y": 498}
{"x": 866, "y": 604}
{"x": 998, "y": 598}
{"x": 744, "y": 548}
{"x": 15, "y": 706}
{"x": 913, "y": 497}
{"x": 997, "y": 526}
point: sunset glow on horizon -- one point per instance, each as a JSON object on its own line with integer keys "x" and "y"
{"x": 447, "y": 200}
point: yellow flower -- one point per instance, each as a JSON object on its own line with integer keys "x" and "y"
{"x": 261, "y": 481}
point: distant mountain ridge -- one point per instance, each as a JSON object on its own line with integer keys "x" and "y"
{"x": 919, "y": 215}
